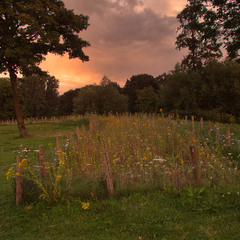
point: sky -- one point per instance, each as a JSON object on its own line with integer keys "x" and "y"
{"x": 127, "y": 37}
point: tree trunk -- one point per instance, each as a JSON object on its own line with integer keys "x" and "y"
{"x": 17, "y": 107}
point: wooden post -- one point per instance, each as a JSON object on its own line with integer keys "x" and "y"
{"x": 202, "y": 129}
{"x": 19, "y": 181}
{"x": 42, "y": 160}
{"x": 228, "y": 136}
{"x": 209, "y": 129}
{"x": 77, "y": 136}
{"x": 185, "y": 120}
{"x": 217, "y": 131}
{"x": 193, "y": 129}
{"x": 195, "y": 165}
{"x": 58, "y": 147}
{"x": 108, "y": 175}
{"x": 83, "y": 129}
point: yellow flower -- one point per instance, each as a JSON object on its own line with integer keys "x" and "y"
{"x": 181, "y": 161}
{"x": 23, "y": 162}
{"x": 61, "y": 162}
{"x": 85, "y": 205}
{"x": 9, "y": 174}
{"x": 58, "y": 178}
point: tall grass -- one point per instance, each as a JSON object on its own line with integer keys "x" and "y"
{"x": 144, "y": 151}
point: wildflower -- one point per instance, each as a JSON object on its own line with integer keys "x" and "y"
{"x": 9, "y": 174}
{"x": 58, "y": 178}
{"x": 194, "y": 140}
{"x": 85, "y": 206}
{"x": 181, "y": 161}
{"x": 61, "y": 162}
{"x": 23, "y": 162}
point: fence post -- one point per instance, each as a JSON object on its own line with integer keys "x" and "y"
{"x": 228, "y": 136}
{"x": 77, "y": 136}
{"x": 58, "y": 147}
{"x": 185, "y": 120}
{"x": 42, "y": 160}
{"x": 193, "y": 129}
{"x": 19, "y": 181}
{"x": 209, "y": 129}
{"x": 217, "y": 131}
{"x": 108, "y": 175}
{"x": 202, "y": 129}
{"x": 195, "y": 165}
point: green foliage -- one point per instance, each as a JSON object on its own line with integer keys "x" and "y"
{"x": 6, "y": 101}
{"x": 66, "y": 102}
{"x": 147, "y": 100}
{"x": 138, "y": 82}
{"x": 199, "y": 33}
{"x": 212, "y": 93}
{"x": 38, "y": 28}
{"x": 100, "y": 99}
{"x": 40, "y": 95}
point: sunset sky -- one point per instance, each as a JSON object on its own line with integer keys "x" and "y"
{"x": 127, "y": 37}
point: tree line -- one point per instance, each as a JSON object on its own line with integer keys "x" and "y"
{"x": 29, "y": 30}
{"x": 212, "y": 92}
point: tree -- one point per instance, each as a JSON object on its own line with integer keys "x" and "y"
{"x": 40, "y": 95}
{"x": 52, "y": 96}
{"x": 147, "y": 100}
{"x": 100, "y": 99}
{"x": 66, "y": 102}
{"x": 228, "y": 15}
{"x": 29, "y": 30}
{"x": 138, "y": 82}
{"x": 6, "y": 101}
{"x": 199, "y": 33}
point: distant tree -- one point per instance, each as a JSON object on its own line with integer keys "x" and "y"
{"x": 199, "y": 33}
{"x": 40, "y": 94}
{"x": 181, "y": 91}
{"x": 6, "y": 101}
{"x": 29, "y": 30}
{"x": 66, "y": 102}
{"x": 52, "y": 96}
{"x": 100, "y": 99}
{"x": 147, "y": 100}
{"x": 220, "y": 87}
{"x": 138, "y": 82}
{"x": 106, "y": 81}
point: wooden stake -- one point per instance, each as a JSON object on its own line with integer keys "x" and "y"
{"x": 217, "y": 131}
{"x": 42, "y": 160}
{"x": 77, "y": 136}
{"x": 202, "y": 129}
{"x": 209, "y": 129}
{"x": 58, "y": 147}
{"x": 195, "y": 165}
{"x": 108, "y": 175}
{"x": 228, "y": 136}
{"x": 185, "y": 120}
{"x": 19, "y": 181}
{"x": 193, "y": 129}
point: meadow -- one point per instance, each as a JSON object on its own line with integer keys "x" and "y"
{"x": 155, "y": 192}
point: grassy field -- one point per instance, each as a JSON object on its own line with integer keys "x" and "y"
{"x": 160, "y": 212}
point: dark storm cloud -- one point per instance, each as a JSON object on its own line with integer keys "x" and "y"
{"x": 121, "y": 22}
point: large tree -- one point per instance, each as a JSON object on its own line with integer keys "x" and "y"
{"x": 229, "y": 17}
{"x": 29, "y": 30}
{"x": 199, "y": 32}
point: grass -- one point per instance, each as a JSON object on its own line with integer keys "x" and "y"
{"x": 209, "y": 213}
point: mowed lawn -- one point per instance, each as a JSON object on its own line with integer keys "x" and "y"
{"x": 145, "y": 214}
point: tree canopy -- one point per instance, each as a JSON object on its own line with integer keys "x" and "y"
{"x": 29, "y": 30}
